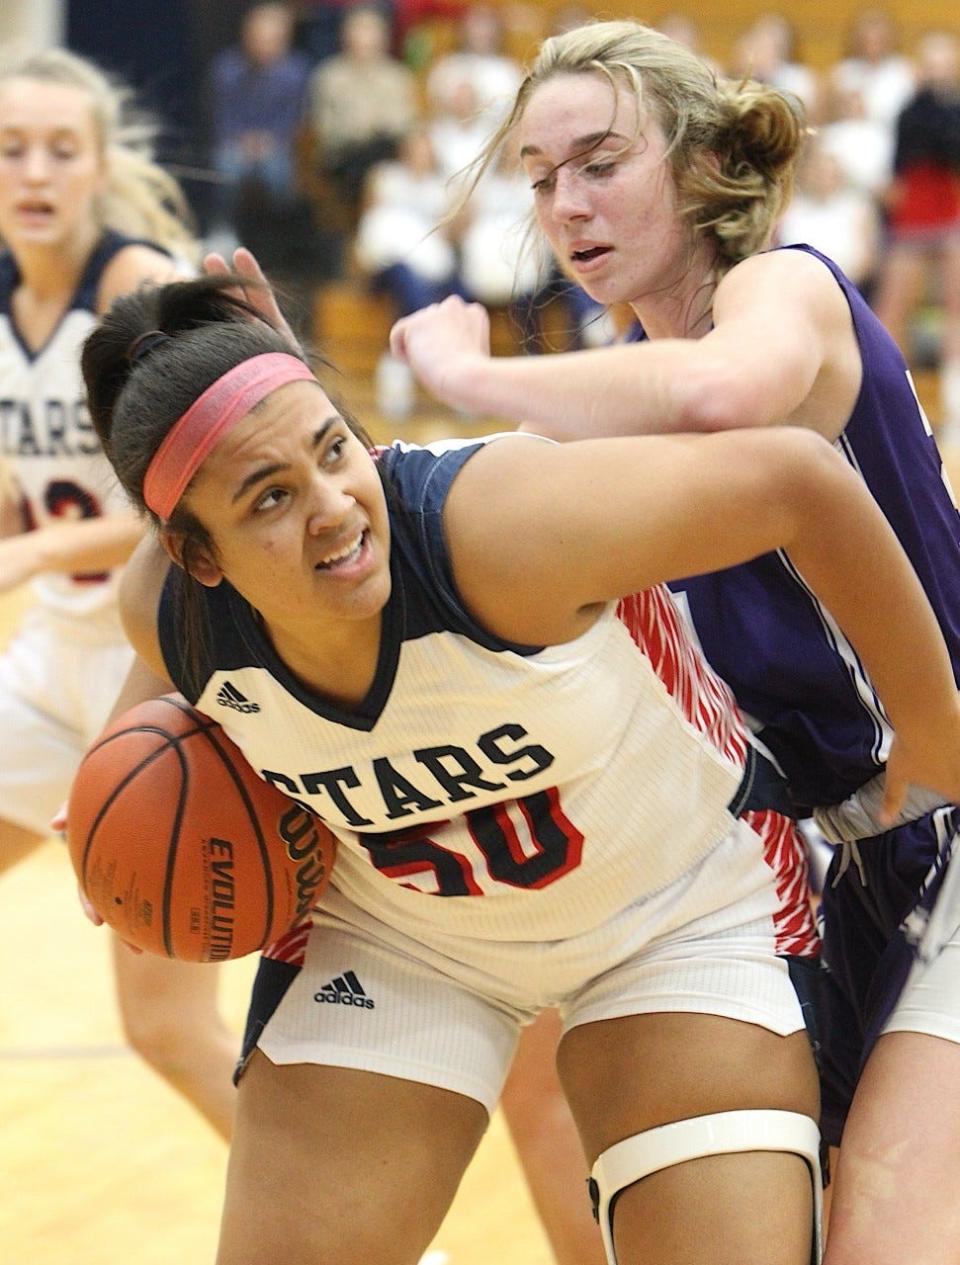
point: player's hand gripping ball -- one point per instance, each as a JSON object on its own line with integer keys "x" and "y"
{"x": 181, "y": 848}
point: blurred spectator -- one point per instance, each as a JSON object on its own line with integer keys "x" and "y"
{"x": 683, "y": 28}
{"x": 833, "y": 215}
{"x": 873, "y": 68}
{"x": 862, "y": 146}
{"x": 767, "y": 51}
{"x": 257, "y": 93}
{"x": 924, "y": 212}
{"x": 322, "y": 21}
{"x": 398, "y": 243}
{"x": 459, "y": 130}
{"x": 480, "y": 61}
{"x": 403, "y": 245}
{"x": 500, "y": 266}
{"x": 361, "y": 102}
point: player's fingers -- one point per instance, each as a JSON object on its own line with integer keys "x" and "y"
{"x": 58, "y": 822}
{"x": 88, "y": 908}
{"x": 260, "y": 293}
{"x": 246, "y": 263}
{"x": 398, "y": 345}
{"x": 215, "y": 265}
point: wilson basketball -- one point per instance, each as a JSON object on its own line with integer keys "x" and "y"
{"x": 180, "y": 847}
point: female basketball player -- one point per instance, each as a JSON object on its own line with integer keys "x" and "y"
{"x": 83, "y": 219}
{"x": 536, "y": 786}
{"x": 658, "y": 187}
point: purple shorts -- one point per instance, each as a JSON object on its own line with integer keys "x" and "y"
{"x": 871, "y": 913}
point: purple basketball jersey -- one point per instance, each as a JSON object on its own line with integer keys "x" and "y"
{"x": 788, "y": 663}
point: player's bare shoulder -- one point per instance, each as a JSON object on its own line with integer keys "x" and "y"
{"x": 783, "y": 278}
{"x": 135, "y": 265}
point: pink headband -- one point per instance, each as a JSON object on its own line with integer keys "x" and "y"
{"x": 194, "y": 435}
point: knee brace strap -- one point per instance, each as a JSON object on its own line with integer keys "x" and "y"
{"x": 725, "y": 1133}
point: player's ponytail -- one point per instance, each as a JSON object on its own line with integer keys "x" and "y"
{"x": 154, "y": 353}
{"x": 738, "y": 188}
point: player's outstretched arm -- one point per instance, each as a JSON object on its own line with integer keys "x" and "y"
{"x": 776, "y": 322}
{"x": 543, "y": 534}
{"x": 91, "y": 544}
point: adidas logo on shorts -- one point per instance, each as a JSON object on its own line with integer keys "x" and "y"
{"x": 345, "y": 990}
{"x": 229, "y": 696}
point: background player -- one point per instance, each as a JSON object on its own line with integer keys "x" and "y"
{"x": 399, "y": 643}
{"x": 658, "y": 187}
{"x": 84, "y": 217}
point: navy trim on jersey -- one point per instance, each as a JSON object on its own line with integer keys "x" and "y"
{"x": 84, "y": 297}
{"x": 424, "y": 598}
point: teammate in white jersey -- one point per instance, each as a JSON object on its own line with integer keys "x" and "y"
{"x": 83, "y": 219}
{"x": 535, "y": 781}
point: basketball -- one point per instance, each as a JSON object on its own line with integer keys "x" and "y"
{"x": 180, "y": 847}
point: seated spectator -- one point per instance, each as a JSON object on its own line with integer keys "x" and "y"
{"x": 256, "y": 93}
{"x": 924, "y": 214}
{"x": 361, "y": 102}
{"x": 833, "y": 215}
{"x": 862, "y": 146}
{"x": 322, "y": 20}
{"x": 458, "y": 131}
{"x": 401, "y": 244}
{"x": 404, "y": 246}
{"x": 481, "y": 62}
{"x": 767, "y": 51}
{"x": 873, "y": 68}
{"x": 499, "y": 265}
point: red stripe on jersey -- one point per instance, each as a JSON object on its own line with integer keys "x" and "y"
{"x": 291, "y": 947}
{"x": 786, "y": 854}
{"x": 657, "y": 627}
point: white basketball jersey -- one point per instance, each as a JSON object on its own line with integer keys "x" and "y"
{"x": 504, "y": 792}
{"x": 46, "y": 435}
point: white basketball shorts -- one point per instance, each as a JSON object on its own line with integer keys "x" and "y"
{"x": 59, "y": 679}
{"x": 352, "y": 991}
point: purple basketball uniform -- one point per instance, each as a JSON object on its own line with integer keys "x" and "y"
{"x": 796, "y": 675}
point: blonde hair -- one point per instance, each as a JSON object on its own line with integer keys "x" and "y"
{"x": 733, "y": 146}
{"x": 141, "y": 199}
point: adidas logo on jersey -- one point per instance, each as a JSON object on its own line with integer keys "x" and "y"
{"x": 229, "y": 696}
{"x": 345, "y": 990}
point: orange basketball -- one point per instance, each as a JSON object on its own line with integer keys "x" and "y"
{"x": 180, "y": 847}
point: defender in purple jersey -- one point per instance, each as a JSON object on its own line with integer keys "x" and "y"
{"x": 658, "y": 187}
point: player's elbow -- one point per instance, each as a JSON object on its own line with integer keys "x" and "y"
{"x": 803, "y": 472}
{"x": 716, "y": 397}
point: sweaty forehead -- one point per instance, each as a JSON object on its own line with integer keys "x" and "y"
{"x": 569, "y": 112}
{"x": 38, "y": 105}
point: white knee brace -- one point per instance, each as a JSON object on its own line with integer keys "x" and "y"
{"x": 725, "y": 1133}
